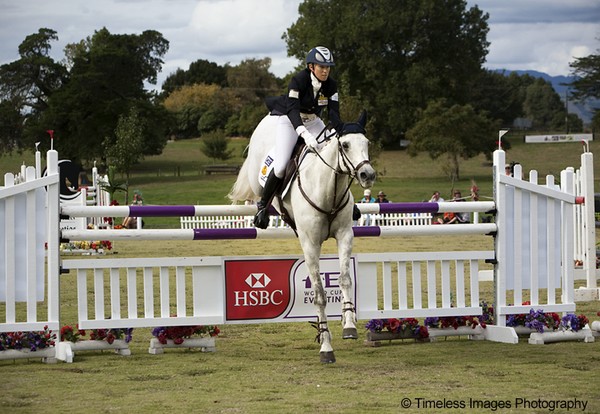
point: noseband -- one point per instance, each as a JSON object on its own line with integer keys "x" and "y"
{"x": 351, "y": 170}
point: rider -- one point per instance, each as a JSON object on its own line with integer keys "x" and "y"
{"x": 309, "y": 92}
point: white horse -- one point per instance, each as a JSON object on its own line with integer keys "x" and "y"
{"x": 320, "y": 204}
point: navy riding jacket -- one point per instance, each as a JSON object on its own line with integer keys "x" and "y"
{"x": 300, "y": 99}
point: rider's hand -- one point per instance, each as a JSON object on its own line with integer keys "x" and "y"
{"x": 309, "y": 139}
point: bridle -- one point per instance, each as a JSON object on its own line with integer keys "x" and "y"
{"x": 348, "y": 169}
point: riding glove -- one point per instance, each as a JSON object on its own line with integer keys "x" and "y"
{"x": 309, "y": 138}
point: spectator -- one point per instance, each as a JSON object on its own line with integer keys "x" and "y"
{"x": 131, "y": 222}
{"x": 452, "y": 218}
{"x": 474, "y": 191}
{"x": 436, "y": 198}
{"x": 367, "y": 198}
{"x": 381, "y": 198}
{"x": 460, "y": 217}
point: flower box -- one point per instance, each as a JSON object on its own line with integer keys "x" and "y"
{"x": 374, "y": 338}
{"x": 48, "y": 355}
{"x": 205, "y": 344}
{"x": 595, "y": 328}
{"x": 523, "y": 330}
{"x": 66, "y": 349}
{"x": 475, "y": 333}
{"x": 584, "y": 335}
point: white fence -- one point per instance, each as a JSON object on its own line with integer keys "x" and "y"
{"x": 241, "y": 222}
{"x": 533, "y": 258}
{"x": 29, "y": 221}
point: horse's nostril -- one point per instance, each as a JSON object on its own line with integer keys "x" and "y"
{"x": 367, "y": 176}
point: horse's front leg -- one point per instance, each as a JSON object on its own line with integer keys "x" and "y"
{"x": 312, "y": 254}
{"x": 344, "y": 242}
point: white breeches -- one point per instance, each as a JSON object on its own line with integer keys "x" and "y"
{"x": 286, "y": 140}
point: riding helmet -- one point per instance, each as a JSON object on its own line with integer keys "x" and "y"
{"x": 320, "y": 55}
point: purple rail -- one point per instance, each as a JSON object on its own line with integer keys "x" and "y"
{"x": 242, "y": 210}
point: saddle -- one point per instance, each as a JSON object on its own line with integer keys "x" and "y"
{"x": 290, "y": 173}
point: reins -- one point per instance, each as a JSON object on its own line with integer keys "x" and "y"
{"x": 350, "y": 170}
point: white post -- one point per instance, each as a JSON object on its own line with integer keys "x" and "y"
{"x": 53, "y": 233}
{"x": 587, "y": 167}
{"x": 591, "y": 291}
{"x": 38, "y": 162}
{"x": 567, "y": 179}
{"x": 500, "y": 239}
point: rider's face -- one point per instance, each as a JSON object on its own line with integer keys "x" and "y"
{"x": 321, "y": 72}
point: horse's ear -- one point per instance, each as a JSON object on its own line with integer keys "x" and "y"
{"x": 362, "y": 119}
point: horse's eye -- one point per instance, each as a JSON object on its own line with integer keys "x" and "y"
{"x": 345, "y": 146}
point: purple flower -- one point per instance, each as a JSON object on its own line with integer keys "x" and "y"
{"x": 432, "y": 321}
{"x": 374, "y": 325}
{"x": 572, "y": 321}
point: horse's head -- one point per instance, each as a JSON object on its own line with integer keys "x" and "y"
{"x": 354, "y": 151}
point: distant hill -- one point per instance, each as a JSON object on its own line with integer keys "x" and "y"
{"x": 584, "y": 110}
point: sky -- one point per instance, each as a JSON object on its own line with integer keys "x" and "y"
{"x": 542, "y": 35}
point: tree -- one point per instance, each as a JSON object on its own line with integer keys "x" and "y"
{"x": 200, "y": 71}
{"x": 457, "y": 131}
{"x": 126, "y": 151}
{"x": 26, "y": 86}
{"x": 252, "y": 79}
{"x": 188, "y": 104}
{"x": 587, "y": 70}
{"x": 587, "y": 85}
{"x": 214, "y": 145}
{"x": 396, "y": 58}
{"x": 501, "y": 96}
{"x": 35, "y": 75}
{"x": 106, "y": 80}
{"x": 11, "y": 126}
{"x": 543, "y": 106}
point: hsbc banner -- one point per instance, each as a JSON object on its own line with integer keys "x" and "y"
{"x": 279, "y": 289}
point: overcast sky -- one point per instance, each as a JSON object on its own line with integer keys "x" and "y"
{"x": 542, "y": 35}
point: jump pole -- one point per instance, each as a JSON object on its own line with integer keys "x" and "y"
{"x": 281, "y": 233}
{"x": 249, "y": 210}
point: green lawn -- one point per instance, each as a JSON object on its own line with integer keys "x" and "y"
{"x": 268, "y": 368}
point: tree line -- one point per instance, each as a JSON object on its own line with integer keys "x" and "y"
{"x": 417, "y": 70}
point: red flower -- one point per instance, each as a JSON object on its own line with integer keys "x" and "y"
{"x": 393, "y": 325}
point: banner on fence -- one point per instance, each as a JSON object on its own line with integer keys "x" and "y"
{"x": 280, "y": 289}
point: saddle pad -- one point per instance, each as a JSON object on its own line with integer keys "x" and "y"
{"x": 265, "y": 170}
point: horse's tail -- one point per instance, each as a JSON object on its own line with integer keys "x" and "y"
{"x": 241, "y": 189}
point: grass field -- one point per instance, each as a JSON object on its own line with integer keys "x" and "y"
{"x": 268, "y": 368}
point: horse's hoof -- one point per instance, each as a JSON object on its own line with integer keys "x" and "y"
{"x": 327, "y": 357}
{"x": 349, "y": 333}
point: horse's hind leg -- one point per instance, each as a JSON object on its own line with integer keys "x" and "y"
{"x": 348, "y": 311}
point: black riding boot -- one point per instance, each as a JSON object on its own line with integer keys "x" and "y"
{"x": 261, "y": 220}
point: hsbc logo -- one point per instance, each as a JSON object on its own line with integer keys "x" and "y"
{"x": 258, "y": 280}
{"x": 259, "y": 296}
{"x": 257, "y": 289}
